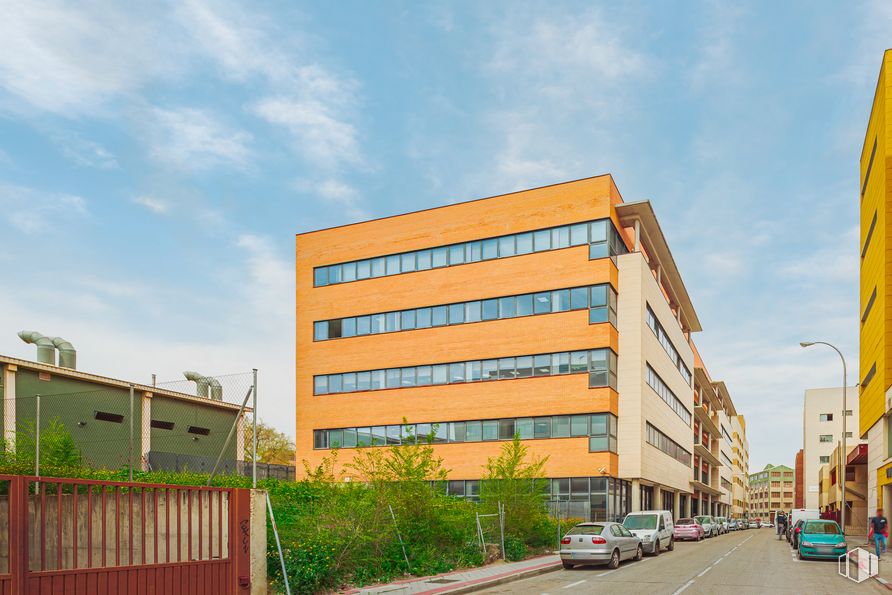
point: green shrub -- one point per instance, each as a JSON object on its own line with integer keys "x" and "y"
{"x": 515, "y": 548}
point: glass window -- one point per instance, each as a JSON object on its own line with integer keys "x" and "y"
{"x": 579, "y": 298}
{"x": 363, "y": 325}
{"x": 457, "y": 254}
{"x": 392, "y": 321}
{"x": 440, "y": 434}
{"x": 407, "y": 262}
{"x": 456, "y": 373}
{"x": 423, "y": 433}
{"x": 472, "y": 371}
{"x": 423, "y": 375}
{"x": 348, "y": 327}
{"x": 542, "y": 427}
{"x": 439, "y": 315}
{"x": 472, "y": 312}
{"x": 579, "y": 234}
{"x": 525, "y": 304}
{"x": 560, "y": 363}
{"x": 334, "y": 328}
{"x": 524, "y": 243}
{"x": 507, "y": 307}
{"x": 393, "y": 264}
{"x": 489, "y": 369}
{"x": 542, "y": 240}
{"x": 348, "y": 271}
{"x": 335, "y": 383}
{"x": 408, "y": 377}
{"x": 597, "y": 315}
{"x": 560, "y": 426}
{"x": 363, "y": 437}
{"x": 407, "y": 320}
{"x": 490, "y": 249}
{"x": 599, "y": 424}
{"x": 394, "y": 435}
{"x": 363, "y": 380}
{"x": 334, "y": 274}
{"x": 542, "y": 365}
{"x": 423, "y": 260}
{"x": 542, "y": 302}
{"x": 320, "y": 330}
{"x": 598, "y": 251}
{"x": 597, "y": 443}
{"x": 378, "y": 380}
{"x": 393, "y": 378}
{"x": 491, "y": 429}
{"x": 579, "y": 425}
{"x": 506, "y": 429}
{"x": 578, "y": 362}
{"x": 525, "y": 366}
{"x": 506, "y": 246}
{"x": 457, "y": 431}
{"x": 423, "y": 318}
{"x": 378, "y": 267}
{"x": 349, "y": 382}
{"x": 598, "y": 295}
{"x": 456, "y": 313}
{"x": 440, "y": 257}
{"x": 320, "y": 276}
{"x": 363, "y": 269}
{"x": 524, "y": 427}
{"x": 320, "y": 385}
{"x": 560, "y": 300}
{"x": 473, "y": 251}
{"x": 473, "y": 431}
{"x": 560, "y": 237}
{"x": 441, "y": 374}
{"x": 350, "y": 438}
{"x": 377, "y": 323}
{"x": 579, "y": 485}
{"x": 507, "y": 368}
{"x": 598, "y": 231}
{"x": 490, "y": 309}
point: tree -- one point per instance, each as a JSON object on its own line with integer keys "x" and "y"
{"x": 273, "y": 446}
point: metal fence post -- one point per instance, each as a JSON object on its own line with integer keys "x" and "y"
{"x": 37, "y": 437}
{"x": 254, "y": 434}
{"x": 502, "y": 529}
{"x": 130, "y": 451}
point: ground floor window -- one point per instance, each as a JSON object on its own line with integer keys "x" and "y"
{"x": 647, "y": 497}
{"x": 591, "y": 498}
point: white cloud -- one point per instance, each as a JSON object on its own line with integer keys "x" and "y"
{"x": 32, "y": 211}
{"x": 192, "y": 139}
{"x": 269, "y": 284}
{"x": 156, "y": 205}
{"x": 84, "y": 152}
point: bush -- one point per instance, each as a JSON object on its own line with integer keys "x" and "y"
{"x": 515, "y": 548}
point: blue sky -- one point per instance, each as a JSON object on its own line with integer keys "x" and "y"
{"x": 156, "y": 160}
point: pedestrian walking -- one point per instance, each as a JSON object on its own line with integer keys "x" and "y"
{"x": 879, "y": 530}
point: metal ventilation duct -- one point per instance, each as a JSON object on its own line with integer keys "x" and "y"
{"x": 67, "y": 353}
{"x": 205, "y": 385}
{"x": 46, "y": 352}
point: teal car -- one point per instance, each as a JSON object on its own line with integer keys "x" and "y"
{"x": 821, "y": 539}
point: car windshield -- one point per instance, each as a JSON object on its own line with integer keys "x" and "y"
{"x": 686, "y": 522}
{"x": 640, "y": 521}
{"x": 703, "y": 519}
{"x": 586, "y": 530}
{"x": 821, "y": 528}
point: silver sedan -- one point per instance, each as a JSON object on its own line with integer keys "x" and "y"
{"x": 599, "y": 543}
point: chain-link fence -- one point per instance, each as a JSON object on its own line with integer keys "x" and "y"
{"x": 192, "y": 425}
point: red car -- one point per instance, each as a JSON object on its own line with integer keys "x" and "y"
{"x": 688, "y": 529}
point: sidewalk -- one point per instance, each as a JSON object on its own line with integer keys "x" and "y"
{"x": 884, "y": 577}
{"x": 466, "y": 581}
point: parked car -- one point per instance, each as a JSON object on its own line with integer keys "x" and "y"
{"x": 733, "y": 525}
{"x": 795, "y": 534}
{"x": 688, "y": 529}
{"x": 800, "y": 514}
{"x": 753, "y": 525}
{"x": 709, "y": 525}
{"x": 654, "y": 527}
{"x": 767, "y": 524}
{"x": 599, "y": 543}
{"x": 722, "y": 522}
{"x": 821, "y": 539}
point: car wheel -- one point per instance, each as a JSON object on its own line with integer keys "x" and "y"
{"x": 614, "y": 560}
{"x": 639, "y": 553}
{"x": 699, "y": 537}
{"x": 656, "y": 551}
{"x": 567, "y": 566}
{"x": 671, "y": 544}
{"x": 799, "y": 553}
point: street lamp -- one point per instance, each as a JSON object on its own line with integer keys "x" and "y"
{"x": 842, "y": 481}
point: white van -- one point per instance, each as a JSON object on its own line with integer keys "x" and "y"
{"x": 800, "y": 514}
{"x": 654, "y": 528}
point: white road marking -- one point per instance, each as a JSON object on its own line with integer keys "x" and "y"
{"x": 573, "y": 584}
{"x": 683, "y": 587}
{"x": 605, "y": 573}
{"x": 708, "y": 568}
{"x": 719, "y": 560}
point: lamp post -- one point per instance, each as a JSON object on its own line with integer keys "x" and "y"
{"x": 842, "y": 476}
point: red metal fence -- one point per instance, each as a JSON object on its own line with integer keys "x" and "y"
{"x": 78, "y": 537}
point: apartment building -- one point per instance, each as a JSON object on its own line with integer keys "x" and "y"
{"x": 799, "y": 490}
{"x": 875, "y": 359}
{"x": 557, "y": 314}
{"x": 830, "y": 497}
{"x": 771, "y": 490}
{"x": 740, "y": 477}
{"x": 822, "y": 423}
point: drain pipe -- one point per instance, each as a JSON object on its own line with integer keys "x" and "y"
{"x": 200, "y": 381}
{"x": 46, "y": 351}
{"x": 67, "y": 353}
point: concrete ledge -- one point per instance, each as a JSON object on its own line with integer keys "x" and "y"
{"x": 499, "y": 579}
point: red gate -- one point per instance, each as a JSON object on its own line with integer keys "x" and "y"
{"x": 78, "y": 537}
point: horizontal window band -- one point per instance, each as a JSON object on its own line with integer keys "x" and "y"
{"x": 599, "y": 299}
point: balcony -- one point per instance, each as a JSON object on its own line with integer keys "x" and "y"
{"x": 706, "y": 420}
{"x": 704, "y": 453}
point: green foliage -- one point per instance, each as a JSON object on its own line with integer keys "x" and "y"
{"x": 57, "y": 448}
{"x": 517, "y": 481}
{"x": 515, "y": 548}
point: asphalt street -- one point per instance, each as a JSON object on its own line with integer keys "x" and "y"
{"x": 751, "y": 561}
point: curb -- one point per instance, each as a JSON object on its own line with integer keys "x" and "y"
{"x": 883, "y": 582}
{"x": 491, "y": 581}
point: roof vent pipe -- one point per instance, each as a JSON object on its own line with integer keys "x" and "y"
{"x": 216, "y": 388}
{"x": 200, "y": 381}
{"x": 46, "y": 352}
{"x": 67, "y": 353}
